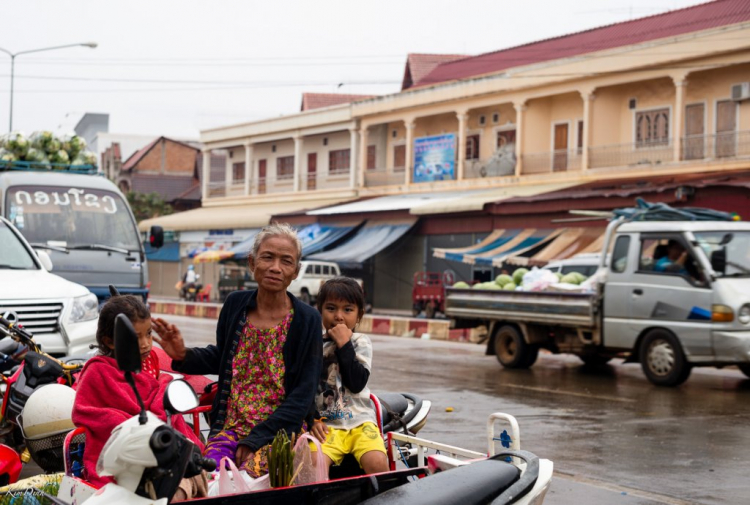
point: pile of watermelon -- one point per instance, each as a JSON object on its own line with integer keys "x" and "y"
{"x": 44, "y": 147}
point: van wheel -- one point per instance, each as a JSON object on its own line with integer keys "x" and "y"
{"x": 305, "y": 297}
{"x": 744, "y": 368}
{"x": 511, "y": 349}
{"x": 663, "y": 360}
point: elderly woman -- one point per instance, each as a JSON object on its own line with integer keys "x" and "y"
{"x": 268, "y": 356}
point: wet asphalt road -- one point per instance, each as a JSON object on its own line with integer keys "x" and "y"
{"x": 613, "y": 437}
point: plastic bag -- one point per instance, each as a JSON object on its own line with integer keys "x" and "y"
{"x": 234, "y": 481}
{"x": 538, "y": 279}
{"x": 309, "y": 466}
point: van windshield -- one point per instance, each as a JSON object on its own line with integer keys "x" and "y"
{"x": 737, "y": 245}
{"x": 73, "y": 217}
{"x": 13, "y": 255}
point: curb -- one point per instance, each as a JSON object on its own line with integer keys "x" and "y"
{"x": 398, "y": 326}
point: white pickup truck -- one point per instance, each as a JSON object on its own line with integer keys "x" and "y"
{"x": 312, "y": 275}
{"x": 671, "y": 295}
{"x": 62, "y": 315}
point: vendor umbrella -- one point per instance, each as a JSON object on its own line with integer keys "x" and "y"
{"x": 212, "y": 256}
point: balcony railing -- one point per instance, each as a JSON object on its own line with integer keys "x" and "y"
{"x": 718, "y": 146}
{"x": 625, "y": 155}
{"x": 496, "y": 166}
{"x": 383, "y": 177}
{"x": 562, "y": 160}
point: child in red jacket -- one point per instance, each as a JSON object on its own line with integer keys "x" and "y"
{"x": 104, "y": 399}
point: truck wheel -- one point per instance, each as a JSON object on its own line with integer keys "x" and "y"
{"x": 662, "y": 359}
{"x": 744, "y": 368}
{"x": 594, "y": 359}
{"x": 305, "y": 297}
{"x": 511, "y": 349}
{"x": 429, "y": 311}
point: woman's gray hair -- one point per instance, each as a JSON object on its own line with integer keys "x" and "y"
{"x": 278, "y": 230}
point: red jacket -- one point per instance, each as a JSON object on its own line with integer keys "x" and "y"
{"x": 104, "y": 400}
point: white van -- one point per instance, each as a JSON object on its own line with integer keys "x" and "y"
{"x": 586, "y": 264}
{"x": 62, "y": 315}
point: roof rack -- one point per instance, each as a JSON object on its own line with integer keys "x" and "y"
{"x": 35, "y": 166}
{"x": 644, "y": 211}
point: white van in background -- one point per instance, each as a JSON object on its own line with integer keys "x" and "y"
{"x": 585, "y": 264}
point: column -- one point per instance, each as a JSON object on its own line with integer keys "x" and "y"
{"x": 409, "y": 124}
{"x": 249, "y": 167}
{"x": 520, "y": 109}
{"x": 353, "y": 157}
{"x": 363, "y": 141}
{"x": 228, "y": 173}
{"x": 588, "y": 98}
{"x": 206, "y": 174}
{"x": 679, "y": 107}
{"x": 297, "y": 161}
{"x": 463, "y": 117}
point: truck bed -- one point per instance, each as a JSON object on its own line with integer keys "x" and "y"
{"x": 553, "y": 308}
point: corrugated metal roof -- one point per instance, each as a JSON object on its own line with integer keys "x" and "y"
{"x": 669, "y": 24}
{"x": 418, "y": 66}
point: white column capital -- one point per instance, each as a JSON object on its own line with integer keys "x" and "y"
{"x": 587, "y": 94}
{"x": 462, "y": 116}
{"x": 248, "y": 143}
{"x": 679, "y": 79}
{"x": 520, "y": 106}
{"x": 409, "y": 124}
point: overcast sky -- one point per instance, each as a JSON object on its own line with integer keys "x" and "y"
{"x": 172, "y": 67}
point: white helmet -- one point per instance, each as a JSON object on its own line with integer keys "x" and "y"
{"x": 48, "y": 411}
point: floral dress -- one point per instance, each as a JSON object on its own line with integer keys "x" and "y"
{"x": 257, "y": 390}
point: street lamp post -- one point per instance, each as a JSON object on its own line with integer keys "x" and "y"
{"x": 92, "y": 45}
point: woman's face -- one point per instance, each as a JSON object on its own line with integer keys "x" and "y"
{"x": 276, "y": 264}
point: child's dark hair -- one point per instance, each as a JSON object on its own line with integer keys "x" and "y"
{"x": 132, "y": 306}
{"x": 342, "y": 288}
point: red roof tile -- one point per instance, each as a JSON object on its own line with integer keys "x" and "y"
{"x": 669, "y": 24}
{"x": 137, "y": 156}
{"x": 319, "y": 100}
{"x": 419, "y": 65}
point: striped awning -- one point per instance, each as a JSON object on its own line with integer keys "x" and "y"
{"x": 570, "y": 242}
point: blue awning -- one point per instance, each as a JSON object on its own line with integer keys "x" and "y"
{"x": 500, "y": 244}
{"x": 242, "y": 249}
{"x": 367, "y": 242}
{"x": 170, "y": 251}
{"x": 317, "y": 237}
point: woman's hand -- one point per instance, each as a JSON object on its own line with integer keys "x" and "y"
{"x": 340, "y": 334}
{"x": 319, "y": 431}
{"x": 244, "y": 454}
{"x": 170, "y": 338}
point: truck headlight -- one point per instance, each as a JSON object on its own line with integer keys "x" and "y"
{"x": 84, "y": 308}
{"x": 743, "y": 315}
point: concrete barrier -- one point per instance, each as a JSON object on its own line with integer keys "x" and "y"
{"x": 397, "y": 326}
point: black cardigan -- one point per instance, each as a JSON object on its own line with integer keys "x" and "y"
{"x": 303, "y": 361}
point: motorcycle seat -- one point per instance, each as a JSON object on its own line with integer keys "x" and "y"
{"x": 392, "y": 402}
{"x": 478, "y": 482}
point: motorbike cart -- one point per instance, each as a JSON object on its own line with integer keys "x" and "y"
{"x": 428, "y": 292}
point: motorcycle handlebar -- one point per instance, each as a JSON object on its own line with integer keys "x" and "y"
{"x": 13, "y": 329}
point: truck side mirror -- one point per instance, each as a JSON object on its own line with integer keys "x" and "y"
{"x": 156, "y": 237}
{"x": 719, "y": 260}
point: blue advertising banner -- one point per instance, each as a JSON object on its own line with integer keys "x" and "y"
{"x": 435, "y": 158}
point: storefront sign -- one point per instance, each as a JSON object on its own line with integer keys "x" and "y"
{"x": 435, "y": 158}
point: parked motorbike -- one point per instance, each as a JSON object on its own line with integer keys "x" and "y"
{"x": 36, "y": 369}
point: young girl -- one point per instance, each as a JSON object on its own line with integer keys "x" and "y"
{"x": 346, "y": 421}
{"x": 104, "y": 399}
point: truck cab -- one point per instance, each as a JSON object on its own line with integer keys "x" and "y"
{"x": 82, "y": 221}
{"x": 679, "y": 293}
